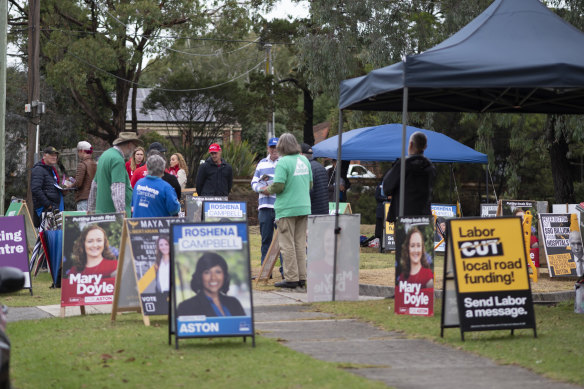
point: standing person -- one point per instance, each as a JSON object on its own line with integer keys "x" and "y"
{"x": 44, "y": 185}
{"x": 137, "y": 159}
{"x": 178, "y": 168}
{"x": 292, "y": 184}
{"x": 331, "y": 184}
{"x": 215, "y": 176}
{"x": 319, "y": 192}
{"x": 153, "y": 197}
{"x": 262, "y": 177}
{"x": 110, "y": 189}
{"x": 379, "y": 212}
{"x": 86, "y": 168}
{"x": 158, "y": 149}
{"x": 419, "y": 180}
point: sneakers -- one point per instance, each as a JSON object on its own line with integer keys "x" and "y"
{"x": 286, "y": 284}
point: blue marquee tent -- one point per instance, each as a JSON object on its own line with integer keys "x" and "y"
{"x": 383, "y": 143}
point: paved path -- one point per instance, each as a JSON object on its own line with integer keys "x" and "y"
{"x": 378, "y": 355}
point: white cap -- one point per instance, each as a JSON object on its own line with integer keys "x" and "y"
{"x": 83, "y": 145}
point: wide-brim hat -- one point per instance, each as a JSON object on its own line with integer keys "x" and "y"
{"x": 127, "y": 136}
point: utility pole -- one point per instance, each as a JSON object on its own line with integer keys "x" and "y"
{"x": 270, "y": 131}
{"x": 34, "y": 20}
{"x": 3, "y": 46}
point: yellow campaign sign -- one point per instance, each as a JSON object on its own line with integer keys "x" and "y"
{"x": 489, "y": 255}
{"x": 389, "y": 227}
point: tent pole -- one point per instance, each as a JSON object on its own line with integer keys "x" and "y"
{"x": 402, "y": 171}
{"x": 337, "y": 197}
{"x": 487, "y": 181}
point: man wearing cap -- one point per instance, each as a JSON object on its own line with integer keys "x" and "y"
{"x": 319, "y": 193}
{"x": 156, "y": 148}
{"x": 44, "y": 185}
{"x": 86, "y": 168}
{"x": 110, "y": 189}
{"x": 264, "y": 176}
{"x": 215, "y": 176}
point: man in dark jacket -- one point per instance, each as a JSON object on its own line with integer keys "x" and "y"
{"x": 44, "y": 185}
{"x": 319, "y": 193}
{"x": 215, "y": 176}
{"x": 420, "y": 174}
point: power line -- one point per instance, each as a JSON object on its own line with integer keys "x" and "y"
{"x": 166, "y": 89}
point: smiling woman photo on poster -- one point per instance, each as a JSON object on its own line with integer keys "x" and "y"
{"x": 162, "y": 264}
{"x": 414, "y": 262}
{"x": 92, "y": 255}
{"x": 210, "y": 282}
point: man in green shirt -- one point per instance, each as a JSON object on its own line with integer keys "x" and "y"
{"x": 292, "y": 184}
{"x": 111, "y": 190}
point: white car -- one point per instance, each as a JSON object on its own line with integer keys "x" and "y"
{"x": 357, "y": 171}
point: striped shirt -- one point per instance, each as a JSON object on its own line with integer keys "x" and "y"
{"x": 265, "y": 167}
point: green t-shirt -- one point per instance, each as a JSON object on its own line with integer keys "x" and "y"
{"x": 111, "y": 168}
{"x": 295, "y": 173}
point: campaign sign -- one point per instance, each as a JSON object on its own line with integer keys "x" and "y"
{"x": 442, "y": 212}
{"x": 343, "y": 208}
{"x": 150, "y": 249}
{"x": 13, "y": 249}
{"x": 562, "y": 243}
{"x": 194, "y": 206}
{"x": 414, "y": 266}
{"x": 90, "y": 258}
{"x": 217, "y": 211}
{"x": 211, "y": 288}
{"x": 388, "y": 231}
{"x": 518, "y": 208}
{"x": 491, "y": 274}
{"x": 489, "y": 210}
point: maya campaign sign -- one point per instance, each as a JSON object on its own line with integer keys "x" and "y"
{"x": 150, "y": 251}
{"x": 211, "y": 288}
{"x": 90, "y": 258}
{"x": 562, "y": 243}
{"x": 215, "y": 211}
{"x": 490, "y": 269}
{"x": 13, "y": 247}
{"x": 414, "y": 266}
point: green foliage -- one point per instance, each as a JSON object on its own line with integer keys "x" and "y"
{"x": 241, "y": 158}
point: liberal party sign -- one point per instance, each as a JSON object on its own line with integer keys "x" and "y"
{"x": 562, "y": 243}
{"x": 91, "y": 246}
{"x": 491, "y": 274}
{"x": 211, "y": 288}
{"x": 216, "y": 211}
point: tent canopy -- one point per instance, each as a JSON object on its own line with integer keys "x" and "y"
{"x": 383, "y": 143}
{"x": 517, "y": 56}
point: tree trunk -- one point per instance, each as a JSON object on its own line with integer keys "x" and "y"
{"x": 308, "y": 117}
{"x": 558, "y": 149}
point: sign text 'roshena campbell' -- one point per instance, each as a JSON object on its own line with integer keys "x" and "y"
{"x": 211, "y": 287}
{"x": 414, "y": 266}
{"x": 217, "y": 211}
{"x": 91, "y": 246}
{"x": 491, "y": 274}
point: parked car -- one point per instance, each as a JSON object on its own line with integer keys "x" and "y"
{"x": 358, "y": 171}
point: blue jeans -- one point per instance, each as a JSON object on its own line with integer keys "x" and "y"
{"x": 266, "y": 218}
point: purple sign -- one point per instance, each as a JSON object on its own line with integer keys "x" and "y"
{"x": 13, "y": 247}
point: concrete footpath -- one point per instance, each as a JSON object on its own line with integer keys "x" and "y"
{"x": 379, "y": 355}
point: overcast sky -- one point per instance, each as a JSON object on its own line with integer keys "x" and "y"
{"x": 286, "y": 7}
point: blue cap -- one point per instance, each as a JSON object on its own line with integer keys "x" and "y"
{"x": 273, "y": 142}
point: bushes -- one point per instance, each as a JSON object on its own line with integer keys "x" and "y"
{"x": 241, "y": 158}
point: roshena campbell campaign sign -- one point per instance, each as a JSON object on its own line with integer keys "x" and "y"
{"x": 490, "y": 270}
{"x": 216, "y": 211}
{"x": 210, "y": 285}
{"x": 91, "y": 246}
